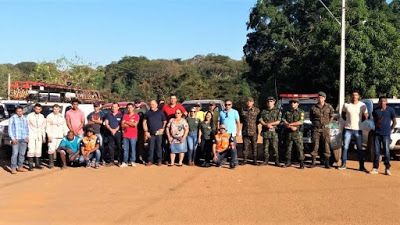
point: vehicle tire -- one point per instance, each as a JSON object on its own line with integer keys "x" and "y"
{"x": 370, "y": 147}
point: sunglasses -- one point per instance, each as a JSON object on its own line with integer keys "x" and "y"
{"x": 228, "y": 104}
{"x": 193, "y": 111}
{"x": 178, "y": 113}
{"x": 293, "y": 102}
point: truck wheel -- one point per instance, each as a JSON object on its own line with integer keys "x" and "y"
{"x": 370, "y": 147}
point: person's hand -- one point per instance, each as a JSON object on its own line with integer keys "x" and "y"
{"x": 269, "y": 126}
{"x": 113, "y": 132}
{"x": 43, "y": 140}
{"x": 286, "y": 124}
{"x": 148, "y": 134}
{"x": 199, "y": 140}
{"x": 161, "y": 131}
{"x": 27, "y": 139}
{"x": 293, "y": 128}
{"x": 69, "y": 151}
{"x": 76, "y": 133}
{"x": 14, "y": 142}
{"x": 50, "y": 139}
{"x": 170, "y": 139}
{"x": 215, "y": 158}
{"x": 182, "y": 140}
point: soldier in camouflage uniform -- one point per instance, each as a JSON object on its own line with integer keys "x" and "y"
{"x": 269, "y": 119}
{"x": 321, "y": 114}
{"x": 293, "y": 121}
{"x": 249, "y": 116}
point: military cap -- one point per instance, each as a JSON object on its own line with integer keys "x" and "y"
{"x": 271, "y": 98}
{"x": 321, "y": 93}
{"x": 293, "y": 100}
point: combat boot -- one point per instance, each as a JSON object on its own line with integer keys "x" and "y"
{"x": 244, "y": 161}
{"x": 37, "y": 163}
{"x": 277, "y": 163}
{"x": 30, "y": 160}
{"x": 255, "y": 160}
{"x": 327, "y": 165}
{"x": 287, "y": 164}
{"x": 301, "y": 164}
{"x": 51, "y": 161}
{"x": 313, "y": 162}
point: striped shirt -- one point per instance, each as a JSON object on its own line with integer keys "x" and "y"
{"x": 18, "y": 127}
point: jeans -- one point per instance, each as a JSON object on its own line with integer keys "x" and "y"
{"x": 192, "y": 145}
{"x": 155, "y": 143}
{"x": 114, "y": 143}
{"x": 385, "y": 140}
{"x": 235, "y": 149}
{"x": 18, "y": 154}
{"x": 132, "y": 143}
{"x": 222, "y": 156}
{"x": 94, "y": 156}
{"x": 357, "y": 134}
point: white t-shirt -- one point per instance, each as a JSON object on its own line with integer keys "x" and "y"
{"x": 354, "y": 114}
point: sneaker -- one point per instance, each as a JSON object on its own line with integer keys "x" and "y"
{"x": 103, "y": 163}
{"x": 133, "y": 164}
{"x": 374, "y": 171}
{"x": 13, "y": 171}
{"x": 87, "y": 164}
{"x": 92, "y": 164}
{"x": 123, "y": 165}
{"x": 129, "y": 163}
{"x": 387, "y": 172}
{"x": 232, "y": 167}
{"x": 342, "y": 167}
{"x": 97, "y": 165}
{"x": 218, "y": 165}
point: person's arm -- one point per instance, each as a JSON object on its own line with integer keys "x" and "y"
{"x": 124, "y": 124}
{"x": 184, "y": 112}
{"x": 344, "y": 112}
{"x": 11, "y": 131}
{"x": 394, "y": 121}
{"x": 65, "y": 149}
{"x": 107, "y": 125}
{"x": 69, "y": 125}
{"x": 168, "y": 132}
{"x": 43, "y": 129}
{"x": 82, "y": 123}
{"x": 49, "y": 128}
{"x": 331, "y": 114}
{"x": 215, "y": 158}
{"x": 146, "y": 129}
{"x": 90, "y": 119}
{"x": 186, "y": 128}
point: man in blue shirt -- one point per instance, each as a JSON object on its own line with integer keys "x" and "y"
{"x": 19, "y": 133}
{"x": 230, "y": 118}
{"x": 383, "y": 116}
{"x": 69, "y": 145}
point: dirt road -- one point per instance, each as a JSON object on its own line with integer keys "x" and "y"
{"x": 193, "y": 195}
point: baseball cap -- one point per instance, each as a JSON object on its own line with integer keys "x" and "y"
{"x": 321, "y": 93}
{"x": 198, "y": 104}
{"x": 211, "y": 103}
{"x": 222, "y": 126}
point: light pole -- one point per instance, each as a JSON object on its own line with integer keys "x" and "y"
{"x": 342, "y": 58}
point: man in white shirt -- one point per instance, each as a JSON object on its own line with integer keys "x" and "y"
{"x": 56, "y": 129}
{"x": 354, "y": 113}
{"x": 37, "y": 136}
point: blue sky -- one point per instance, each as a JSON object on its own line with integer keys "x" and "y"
{"x": 101, "y": 31}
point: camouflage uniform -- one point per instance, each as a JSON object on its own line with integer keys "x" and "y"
{"x": 270, "y": 137}
{"x": 249, "y": 130}
{"x": 295, "y": 137}
{"x": 320, "y": 118}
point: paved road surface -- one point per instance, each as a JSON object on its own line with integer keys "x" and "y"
{"x": 193, "y": 195}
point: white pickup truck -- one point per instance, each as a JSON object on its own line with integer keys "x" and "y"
{"x": 47, "y": 108}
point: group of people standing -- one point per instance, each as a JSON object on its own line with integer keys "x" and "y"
{"x": 170, "y": 130}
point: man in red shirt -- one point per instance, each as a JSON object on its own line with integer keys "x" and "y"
{"x": 169, "y": 110}
{"x": 129, "y": 124}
